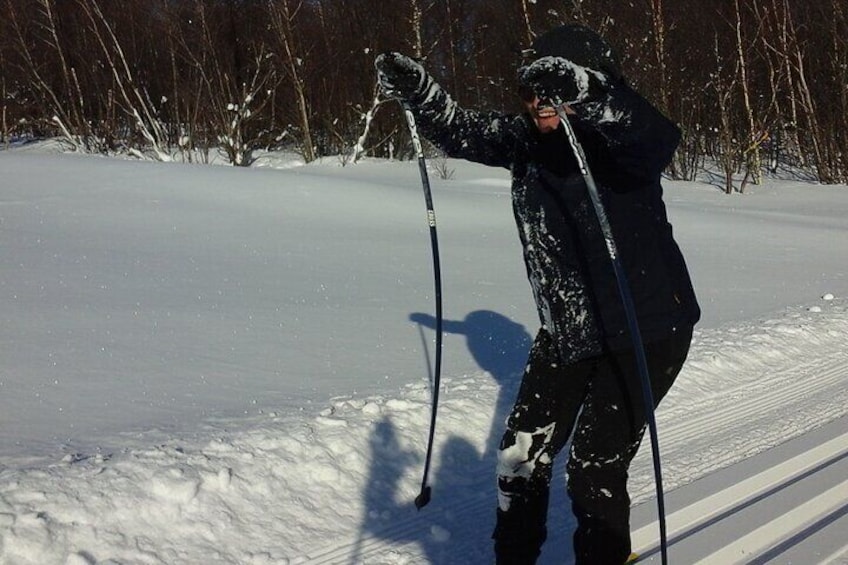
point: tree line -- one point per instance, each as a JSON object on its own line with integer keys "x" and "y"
{"x": 753, "y": 84}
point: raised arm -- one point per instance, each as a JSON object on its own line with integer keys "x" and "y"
{"x": 484, "y": 137}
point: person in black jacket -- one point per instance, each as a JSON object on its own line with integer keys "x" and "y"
{"x": 581, "y": 380}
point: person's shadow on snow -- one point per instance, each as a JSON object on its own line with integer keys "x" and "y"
{"x": 500, "y": 347}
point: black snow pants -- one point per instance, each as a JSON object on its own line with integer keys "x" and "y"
{"x": 599, "y": 400}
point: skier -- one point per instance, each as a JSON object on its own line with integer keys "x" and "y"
{"x": 581, "y": 379}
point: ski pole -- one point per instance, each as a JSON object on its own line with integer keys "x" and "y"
{"x": 424, "y": 496}
{"x": 632, "y": 322}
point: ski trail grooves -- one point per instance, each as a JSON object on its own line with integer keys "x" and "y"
{"x": 435, "y": 530}
{"x": 702, "y": 511}
{"x": 766, "y": 536}
{"x": 794, "y": 374}
{"x": 790, "y": 371}
{"x": 753, "y": 407}
{"x": 782, "y": 386}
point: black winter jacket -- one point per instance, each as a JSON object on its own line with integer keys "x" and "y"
{"x": 627, "y": 144}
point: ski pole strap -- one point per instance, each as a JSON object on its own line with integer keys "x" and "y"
{"x": 632, "y": 322}
{"x": 424, "y": 496}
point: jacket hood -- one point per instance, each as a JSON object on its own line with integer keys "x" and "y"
{"x": 581, "y": 46}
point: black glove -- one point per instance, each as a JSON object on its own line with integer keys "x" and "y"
{"x": 400, "y": 76}
{"x": 560, "y": 81}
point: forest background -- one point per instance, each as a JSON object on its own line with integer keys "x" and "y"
{"x": 755, "y": 85}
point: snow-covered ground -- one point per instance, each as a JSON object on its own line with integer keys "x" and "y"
{"x": 215, "y": 365}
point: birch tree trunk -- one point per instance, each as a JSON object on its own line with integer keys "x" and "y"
{"x": 283, "y": 23}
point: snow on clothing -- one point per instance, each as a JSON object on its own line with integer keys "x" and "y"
{"x": 627, "y": 144}
{"x": 600, "y": 399}
{"x": 582, "y": 361}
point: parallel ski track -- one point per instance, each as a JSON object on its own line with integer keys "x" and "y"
{"x": 683, "y": 521}
{"x": 776, "y": 390}
{"x": 818, "y": 382}
{"x": 781, "y": 389}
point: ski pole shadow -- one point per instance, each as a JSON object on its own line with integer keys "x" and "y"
{"x": 388, "y": 519}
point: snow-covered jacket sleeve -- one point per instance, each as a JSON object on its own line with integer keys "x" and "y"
{"x": 483, "y": 137}
{"x": 640, "y": 141}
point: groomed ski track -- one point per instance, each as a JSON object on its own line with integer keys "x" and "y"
{"x": 755, "y": 474}
{"x": 786, "y": 505}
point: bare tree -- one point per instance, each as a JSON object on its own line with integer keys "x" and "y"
{"x": 839, "y": 70}
{"x": 801, "y": 93}
{"x": 528, "y": 28}
{"x": 659, "y": 34}
{"x": 135, "y": 98}
{"x": 417, "y": 21}
{"x": 724, "y": 85}
{"x": 5, "y": 136}
{"x": 283, "y": 21}
{"x": 756, "y": 133}
{"x": 63, "y": 103}
{"x": 231, "y": 83}
{"x": 776, "y": 70}
{"x": 5, "y": 99}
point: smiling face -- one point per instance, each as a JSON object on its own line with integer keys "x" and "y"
{"x": 544, "y": 116}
